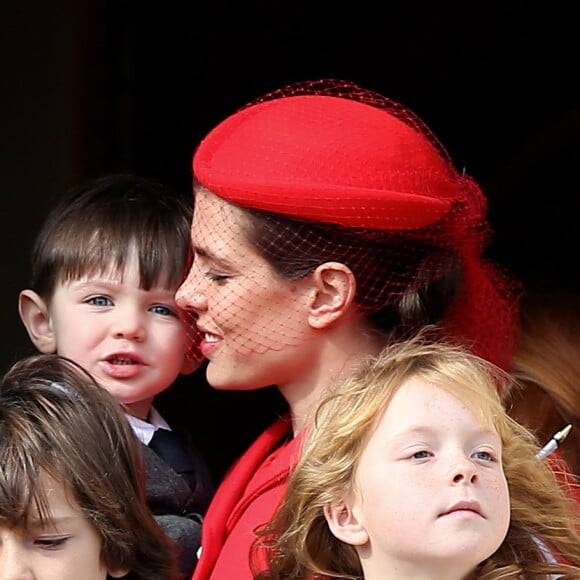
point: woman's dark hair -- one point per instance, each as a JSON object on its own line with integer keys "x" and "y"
{"x": 399, "y": 295}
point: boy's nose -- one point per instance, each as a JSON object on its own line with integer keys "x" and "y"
{"x": 129, "y": 325}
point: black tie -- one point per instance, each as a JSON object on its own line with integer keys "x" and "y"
{"x": 172, "y": 447}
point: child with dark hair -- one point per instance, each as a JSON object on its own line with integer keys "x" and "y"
{"x": 72, "y": 504}
{"x": 105, "y": 268}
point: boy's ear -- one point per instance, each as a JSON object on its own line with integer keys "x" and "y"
{"x": 344, "y": 524}
{"x": 334, "y": 291}
{"x": 34, "y": 314}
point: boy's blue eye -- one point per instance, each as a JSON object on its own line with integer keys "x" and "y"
{"x": 99, "y": 301}
{"x": 163, "y": 310}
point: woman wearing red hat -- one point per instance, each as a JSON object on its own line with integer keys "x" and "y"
{"x": 328, "y": 220}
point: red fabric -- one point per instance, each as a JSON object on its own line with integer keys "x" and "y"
{"x": 247, "y": 498}
{"x": 366, "y": 166}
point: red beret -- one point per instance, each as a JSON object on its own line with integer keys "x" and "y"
{"x": 330, "y": 159}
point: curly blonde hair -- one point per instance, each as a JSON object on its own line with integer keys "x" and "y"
{"x": 298, "y": 542}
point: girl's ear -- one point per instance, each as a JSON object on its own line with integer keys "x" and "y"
{"x": 35, "y": 316}
{"x": 334, "y": 291}
{"x": 344, "y": 524}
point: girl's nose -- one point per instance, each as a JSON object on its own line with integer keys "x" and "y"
{"x": 464, "y": 472}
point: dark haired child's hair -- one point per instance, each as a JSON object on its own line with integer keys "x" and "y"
{"x": 95, "y": 227}
{"x": 56, "y": 420}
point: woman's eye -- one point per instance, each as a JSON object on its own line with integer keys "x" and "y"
{"x": 99, "y": 301}
{"x": 217, "y": 277}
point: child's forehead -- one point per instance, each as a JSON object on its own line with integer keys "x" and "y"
{"x": 112, "y": 271}
{"x": 118, "y": 269}
{"x": 420, "y": 396}
{"x": 39, "y": 503}
{"x": 113, "y": 266}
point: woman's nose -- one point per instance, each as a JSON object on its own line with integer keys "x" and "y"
{"x": 190, "y": 295}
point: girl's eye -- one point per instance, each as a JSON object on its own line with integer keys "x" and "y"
{"x": 484, "y": 455}
{"x": 421, "y": 455}
{"x": 51, "y": 543}
{"x": 99, "y": 301}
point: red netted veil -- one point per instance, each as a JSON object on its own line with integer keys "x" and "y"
{"x": 334, "y": 172}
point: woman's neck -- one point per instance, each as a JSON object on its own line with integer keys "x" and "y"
{"x": 336, "y": 356}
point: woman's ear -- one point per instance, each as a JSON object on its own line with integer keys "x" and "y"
{"x": 35, "y": 316}
{"x": 118, "y": 572}
{"x": 334, "y": 291}
{"x": 344, "y": 524}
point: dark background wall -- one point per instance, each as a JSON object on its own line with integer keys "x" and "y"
{"x": 103, "y": 86}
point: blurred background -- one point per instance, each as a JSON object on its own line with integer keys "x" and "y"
{"x": 95, "y": 87}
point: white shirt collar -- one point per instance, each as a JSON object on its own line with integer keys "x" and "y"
{"x": 145, "y": 429}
